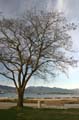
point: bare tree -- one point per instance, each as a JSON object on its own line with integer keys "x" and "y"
{"x": 28, "y": 46}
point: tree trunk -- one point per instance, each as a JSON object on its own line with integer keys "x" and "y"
{"x": 20, "y": 99}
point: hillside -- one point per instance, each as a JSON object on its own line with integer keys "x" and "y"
{"x": 5, "y": 89}
{"x": 47, "y": 90}
{"x": 40, "y": 90}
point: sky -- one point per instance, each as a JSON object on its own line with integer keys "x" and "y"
{"x": 70, "y": 8}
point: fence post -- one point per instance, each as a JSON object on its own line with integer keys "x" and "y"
{"x": 39, "y": 104}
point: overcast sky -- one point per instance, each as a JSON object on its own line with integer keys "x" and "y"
{"x": 15, "y": 7}
{"x": 11, "y": 8}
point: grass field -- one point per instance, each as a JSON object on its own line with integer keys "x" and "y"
{"x": 9, "y": 114}
{"x": 39, "y": 114}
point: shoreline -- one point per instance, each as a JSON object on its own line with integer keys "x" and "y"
{"x": 58, "y": 103}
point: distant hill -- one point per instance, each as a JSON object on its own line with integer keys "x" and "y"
{"x": 5, "y": 89}
{"x": 40, "y": 90}
{"x": 47, "y": 90}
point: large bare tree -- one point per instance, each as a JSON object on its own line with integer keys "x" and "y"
{"x": 30, "y": 45}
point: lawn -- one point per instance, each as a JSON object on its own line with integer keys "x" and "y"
{"x": 9, "y": 114}
{"x": 39, "y": 114}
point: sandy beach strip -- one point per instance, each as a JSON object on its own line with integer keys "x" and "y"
{"x": 6, "y": 105}
{"x": 44, "y": 103}
{"x": 65, "y": 106}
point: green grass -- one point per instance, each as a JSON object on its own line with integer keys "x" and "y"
{"x": 9, "y": 114}
{"x": 39, "y": 114}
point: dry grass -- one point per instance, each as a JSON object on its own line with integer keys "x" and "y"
{"x": 13, "y": 100}
{"x": 54, "y": 101}
{"x": 45, "y": 101}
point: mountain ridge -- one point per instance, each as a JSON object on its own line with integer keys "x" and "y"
{"x": 40, "y": 90}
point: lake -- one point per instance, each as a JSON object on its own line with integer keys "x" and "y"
{"x": 32, "y": 95}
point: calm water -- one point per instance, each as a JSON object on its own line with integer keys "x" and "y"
{"x": 14, "y": 95}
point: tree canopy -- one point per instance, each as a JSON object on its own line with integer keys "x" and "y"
{"x": 32, "y": 44}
